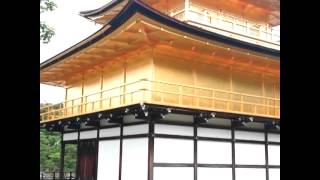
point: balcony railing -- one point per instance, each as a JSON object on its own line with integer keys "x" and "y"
{"x": 164, "y": 93}
{"x": 227, "y": 24}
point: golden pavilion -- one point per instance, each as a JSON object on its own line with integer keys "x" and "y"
{"x": 171, "y": 89}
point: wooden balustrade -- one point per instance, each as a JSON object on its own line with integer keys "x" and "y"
{"x": 164, "y": 93}
{"x": 226, "y": 21}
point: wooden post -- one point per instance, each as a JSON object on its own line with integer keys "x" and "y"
{"x": 231, "y": 84}
{"x": 274, "y": 104}
{"x": 86, "y": 103}
{"x": 213, "y": 100}
{"x": 124, "y": 82}
{"x": 131, "y": 95}
{"x": 62, "y": 152}
{"x": 92, "y": 106}
{"x": 180, "y": 92}
{"x": 72, "y": 104}
{"x": 101, "y": 89}
{"x": 241, "y": 103}
{"x": 65, "y": 103}
{"x": 263, "y": 93}
{"x": 82, "y": 91}
{"x": 48, "y": 112}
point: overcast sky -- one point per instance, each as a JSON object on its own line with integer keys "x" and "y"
{"x": 70, "y": 28}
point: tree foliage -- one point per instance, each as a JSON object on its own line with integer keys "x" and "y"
{"x": 50, "y": 149}
{"x": 46, "y": 32}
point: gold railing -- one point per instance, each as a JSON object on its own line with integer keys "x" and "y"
{"x": 164, "y": 93}
{"x": 227, "y": 24}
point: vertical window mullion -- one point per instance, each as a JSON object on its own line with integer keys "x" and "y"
{"x": 78, "y": 150}
{"x": 120, "y": 155}
{"x": 150, "y": 148}
{"x": 233, "y": 152}
{"x": 266, "y": 152}
{"x": 97, "y": 150}
{"x": 195, "y": 147}
{"x": 62, "y": 152}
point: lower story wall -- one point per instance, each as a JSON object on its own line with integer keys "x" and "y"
{"x": 182, "y": 151}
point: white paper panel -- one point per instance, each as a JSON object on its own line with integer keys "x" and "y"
{"x": 88, "y": 134}
{"x": 173, "y": 129}
{"x": 253, "y": 154}
{"x": 214, "y": 173}
{"x": 70, "y": 136}
{"x": 108, "y": 160}
{"x": 210, "y": 152}
{"x": 173, "y": 150}
{"x": 250, "y": 174}
{"x": 274, "y": 154}
{"x": 173, "y": 173}
{"x": 136, "y": 129}
{"x": 245, "y": 135}
{"x": 109, "y": 132}
{"x": 214, "y": 133}
{"x": 135, "y": 159}
{"x": 274, "y": 174}
{"x": 272, "y": 137}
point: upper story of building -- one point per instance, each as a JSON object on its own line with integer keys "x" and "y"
{"x": 142, "y": 55}
{"x": 254, "y": 21}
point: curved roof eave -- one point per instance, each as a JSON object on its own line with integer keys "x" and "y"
{"x": 102, "y": 9}
{"x": 137, "y": 6}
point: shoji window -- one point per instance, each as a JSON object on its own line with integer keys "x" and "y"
{"x": 134, "y": 159}
{"x": 245, "y": 135}
{"x": 250, "y": 174}
{"x": 214, "y": 133}
{"x": 214, "y": 173}
{"x": 70, "y": 136}
{"x": 274, "y": 174}
{"x": 109, "y": 132}
{"x": 212, "y": 152}
{"x": 274, "y": 154}
{"x": 272, "y": 137}
{"x": 173, "y": 173}
{"x": 173, "y": 130}
{"x": 88, "y": 134}
{"x": 250, "y": 154}
{"x": 136, "y": 129}
{"x": 167, "y": 150}
{"x": 108, "y": 160}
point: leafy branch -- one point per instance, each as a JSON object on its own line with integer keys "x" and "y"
{"x": 46, "y": 32}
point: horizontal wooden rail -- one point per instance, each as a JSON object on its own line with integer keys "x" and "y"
{"x": 212, "y": 98}
{"x": 218, "y": 19}
{"x": 211, "y": 89}
{"x": 159, "y": 92}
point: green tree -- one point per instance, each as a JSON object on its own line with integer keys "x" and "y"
{"x": 50, "y": 149}
{"x": 46, "y": 32}
{"x": 70, "y": 157}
